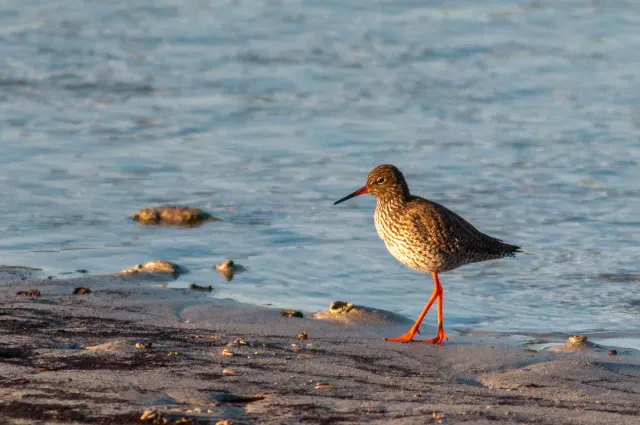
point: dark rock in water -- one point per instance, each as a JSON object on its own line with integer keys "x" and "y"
{"x": 228, "y": 269}
{"x": 195, "y": 287}
{"x": 29, "y": 293}
{"x": 172, "y": 216}
{"x": 81, "y": 291}
{"x": 291, "y": 313}
{"x": 157, "y": 267}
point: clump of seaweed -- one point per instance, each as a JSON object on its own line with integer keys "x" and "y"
{"x": 171, "y": 215}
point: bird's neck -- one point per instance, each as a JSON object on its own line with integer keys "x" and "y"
{"x": 392, "y": 202}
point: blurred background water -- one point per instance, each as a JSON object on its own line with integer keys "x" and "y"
{"x": 522, "y": 116}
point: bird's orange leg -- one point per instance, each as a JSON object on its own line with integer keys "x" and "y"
{"x": 437, "y": 293}
{"x": 441, "y": 335}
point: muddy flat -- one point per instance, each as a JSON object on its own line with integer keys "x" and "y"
{"x": 131, "y": 345}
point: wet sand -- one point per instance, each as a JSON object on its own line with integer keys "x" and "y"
{"x": 73, "y": 359}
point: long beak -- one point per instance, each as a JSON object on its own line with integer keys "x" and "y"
{"x": 361, "y": 191}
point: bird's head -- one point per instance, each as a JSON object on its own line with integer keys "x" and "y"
{"x": 385, "y": 182}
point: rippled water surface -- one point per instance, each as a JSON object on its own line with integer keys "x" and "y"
{"x": 522, "y": 116}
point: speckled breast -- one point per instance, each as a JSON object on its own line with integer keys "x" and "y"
{"x": 404, "y": 245}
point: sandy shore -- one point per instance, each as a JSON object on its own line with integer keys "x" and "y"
{"x": 73, "y": 359}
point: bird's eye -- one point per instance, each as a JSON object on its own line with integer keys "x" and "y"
{"x": 380, "y": 180}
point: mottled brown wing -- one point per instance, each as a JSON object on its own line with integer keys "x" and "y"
{"x": 454, "y": 236}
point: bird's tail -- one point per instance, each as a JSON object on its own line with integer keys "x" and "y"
{"x": 510, "y": 250}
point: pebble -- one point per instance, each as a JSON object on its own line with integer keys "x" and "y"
{"x": 81, "y": 290}
{"x": 291, "y": 313}
{"x": 228, "y": 269}
{"x": 320, "y": 386}
{"x": 226, "y": 352}
{"x": 302, "y": 335}
{"x": 143, "y": 345}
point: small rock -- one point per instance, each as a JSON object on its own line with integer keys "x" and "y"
{"x": 173, "y": 353}
{"x": 143, "y": 345}
{"x": 302, "y": 335}
{"x": 291, "y": 313}
{"x": 530, "y": 350}
{"x": 613, "y": 352}
{"x": 228, "y": 372}
{"x": 172, "y": 216}
{"x": 29, "y": 293}
{"x": 158, "y": 267}
{"x": 81, "y": 291}
{"x": 195, "y": 287}
{"x": 228, "y": 269}
{"x": 226, "y": 352}
{"x": 225, "y": 422}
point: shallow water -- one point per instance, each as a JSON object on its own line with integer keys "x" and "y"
{"x": 522, "y": 116}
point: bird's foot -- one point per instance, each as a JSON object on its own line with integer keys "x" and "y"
{"x": 437, "y": 340}
{"x": 404, "y": 338}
